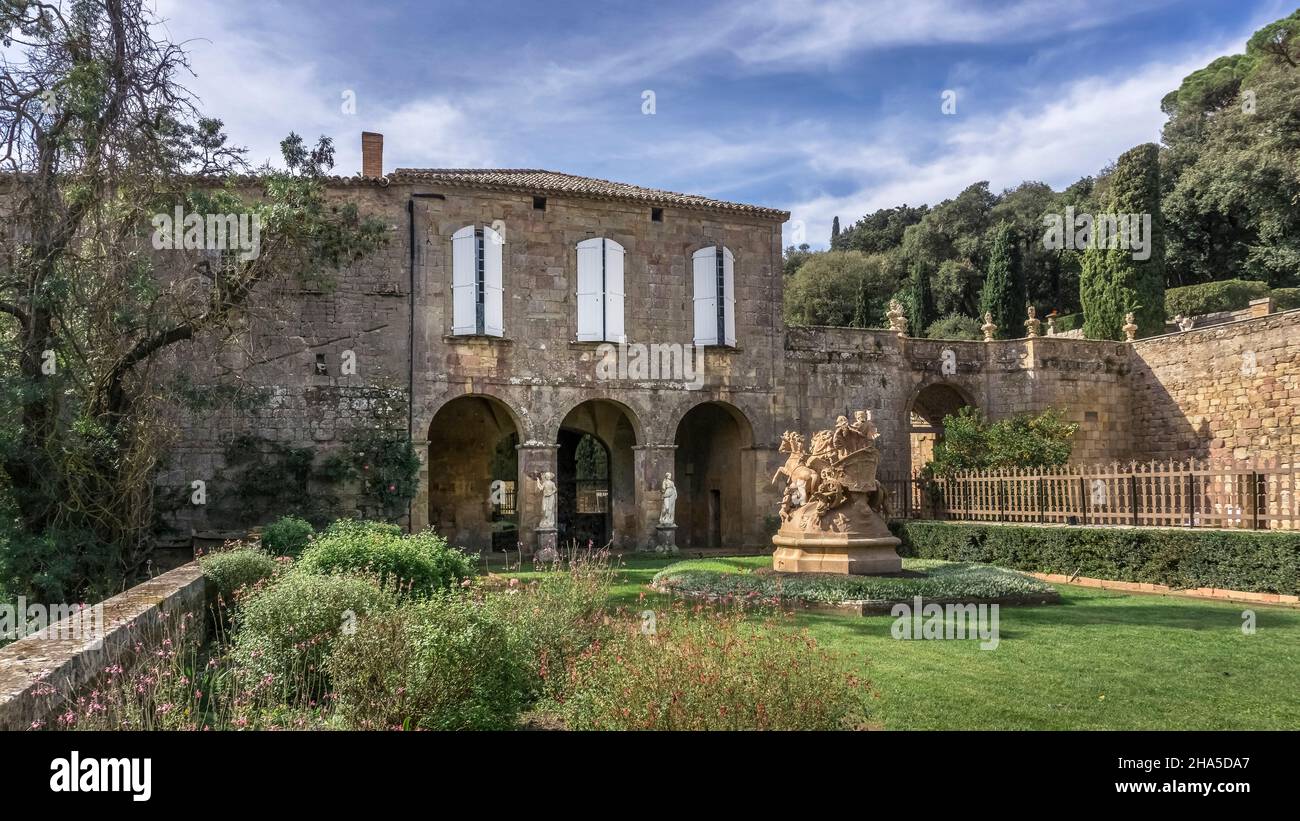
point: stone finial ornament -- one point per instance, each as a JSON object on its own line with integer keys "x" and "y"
{"x": 1032, "y": 325}
{"x": 1051, "y": 324}
{"x": 1130, "y": 327}
{"x": 988, "y": 327}
{"x": 897, "y": 318}
{"x": 1184, "y": 323}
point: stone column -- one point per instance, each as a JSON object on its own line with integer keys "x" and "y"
{"x": 759, "y": 498}
{"x": 652, "y": 462}
{"x": 419, "y": 519}
{"x": 535, "y": 458}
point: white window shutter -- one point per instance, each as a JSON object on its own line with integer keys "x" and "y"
{"x": 729, "y": 295}
{"x": 493, "y": 309}
{"x": 613, "y": 290}
{"x": 704, "y": 263}
{"x": 590, "y": 298}
{"x": 463, "y": 286}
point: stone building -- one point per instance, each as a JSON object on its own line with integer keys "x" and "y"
{"x": 531, "y": 321}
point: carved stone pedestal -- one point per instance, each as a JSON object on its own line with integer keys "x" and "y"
{"x": 666, "y": 538}
{"x": 546, "y": 546}
{"x": 854, "y": 557}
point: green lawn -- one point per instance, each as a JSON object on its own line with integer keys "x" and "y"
{"x": 1098, "y": 660}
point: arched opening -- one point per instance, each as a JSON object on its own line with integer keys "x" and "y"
{"x": 715, "y": 486}
{"x": 931, "y": 405}
{"x": 595, "y": 475}
{"x": 473, "y": 473}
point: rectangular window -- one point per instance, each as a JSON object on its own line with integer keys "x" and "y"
{"x": 599, "y": 290}
{"x": 713, "y": 270}
{"x": 477, "y": 293}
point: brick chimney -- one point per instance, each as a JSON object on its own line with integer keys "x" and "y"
{"x": 372, "y": 154}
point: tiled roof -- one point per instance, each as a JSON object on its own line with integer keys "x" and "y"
{"x": 538, "y": 181}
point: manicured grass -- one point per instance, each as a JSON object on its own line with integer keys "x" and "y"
{"x": 1098, "y": 660}
{"x": 940, "y": 580}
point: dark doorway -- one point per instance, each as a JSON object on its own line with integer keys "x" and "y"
{"x": 582, "y": 513}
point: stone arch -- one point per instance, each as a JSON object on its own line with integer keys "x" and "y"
{"x": 597, "y": 497}
{"x": 715, "y": 467}
{"x": 930, "y": 403}
{"x": 472, "y": 480}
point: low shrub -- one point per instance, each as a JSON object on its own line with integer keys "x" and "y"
{"x": 942, "y": 580}
{"x": 1249, "y": 561}
{"x": 287, "y": 536}
{"x": 421, "y": 563}
{"x": 955, "y": 326}
{"x": 556, "y": 617}
{"x": 446, "y": 663}
{"x": 1212, "y": 297}
{"x": 233, "y": 573}
{"x": 712, "y": 672}
{"x": 285, "y": 632}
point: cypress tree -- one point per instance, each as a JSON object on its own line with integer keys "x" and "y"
{"x": 920, "y": 308}
{"x": 1004, "y": 284}
{"x": 1112, "y": 282}
{"x": 835, "y": 231}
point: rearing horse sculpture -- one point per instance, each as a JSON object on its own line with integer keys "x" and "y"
{"x": 794, "y": 470}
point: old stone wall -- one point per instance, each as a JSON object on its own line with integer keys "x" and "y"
{"x": 1224, "y": 392}
{"x": 535, "y": 389}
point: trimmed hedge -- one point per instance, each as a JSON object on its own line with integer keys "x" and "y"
{"x": 1212, "y": 297}
{"x": 1248, "y": 561}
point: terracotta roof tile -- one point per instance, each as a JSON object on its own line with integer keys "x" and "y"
{"x": 539, "y": 181}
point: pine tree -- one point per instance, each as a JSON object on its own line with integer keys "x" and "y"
{"x": 920, "y": 308}
{"x": 1004, "y": 294}
{"x": 1112, "y": 282}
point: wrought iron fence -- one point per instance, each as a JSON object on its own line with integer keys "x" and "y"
{"x": 1257, "y": 495}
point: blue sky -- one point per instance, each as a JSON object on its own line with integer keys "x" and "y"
{"x": 820, "y": 108}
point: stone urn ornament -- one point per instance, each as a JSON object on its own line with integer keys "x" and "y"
{"x": 833, "y": 508}
{"x": 897, "y": 318}
{"x": 1032, "y": 325}
{"x": 1130, "y": 327}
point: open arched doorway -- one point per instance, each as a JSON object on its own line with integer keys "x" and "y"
{"x": 714, "y": 478}
{"x": 595, "y": 475}
{"x": 473, "y": 473}
{"x": 931, "y": 405}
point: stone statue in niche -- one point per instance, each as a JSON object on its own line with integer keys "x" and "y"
{"x": 668, "y": 513}
{"x": 546, "y": 486}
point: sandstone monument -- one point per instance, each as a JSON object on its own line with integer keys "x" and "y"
{"x": 832, "y": 509}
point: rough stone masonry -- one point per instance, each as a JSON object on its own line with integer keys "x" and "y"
{"x": 489, "y": 412}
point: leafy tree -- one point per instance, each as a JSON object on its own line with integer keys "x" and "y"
{"x": 954, "y": 232}
{"x": 971, "y": 442}
{"x": 1113, "y": 282}
{"x": 920, "y": 311}
{"x": 880, "y": 230}
{"x": 99, "y": 138}
{"x": 794, "y": 257}
{"x": 829, "y": 289}
{"x": 1004, "y": 286}
{"x": 1231, "y": 165}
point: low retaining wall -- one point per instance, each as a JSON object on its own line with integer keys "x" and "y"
{"x": 60, "y": 659}
{"x": 1280, "y": 599}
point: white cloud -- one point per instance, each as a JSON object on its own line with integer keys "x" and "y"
{"x": 1082, "y": 126}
